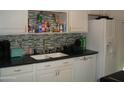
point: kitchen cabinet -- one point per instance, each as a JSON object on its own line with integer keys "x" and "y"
{"x": 94, "y": 12}
{"x": 90, "y": 63}
{"x": 13, "y": 21}
{"x": 60, "y": 71}
{"x": 85, "y": 69}
{"x": 77, "y": 69}
{"x": 46, "y": 72}
{"x": 98, "y": 12}
{"x": 78, "y": 21}
{"x": 47, "y": 75}
{"x": 25, "y": 77}
{"x": 65, "y": 74}
{"x": 119, "y": 45}
{"x": 116, "y": 14}
{"x": 17, "y": 74}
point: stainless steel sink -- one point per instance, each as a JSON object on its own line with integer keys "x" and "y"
{"x": 40, "y": 57}
{"x": 58, "y": 54}
{"x": 48, "y": 56}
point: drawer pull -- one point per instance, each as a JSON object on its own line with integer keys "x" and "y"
{"x": 82, "y": 58}
{"x": 47, "y": 65}
{"x": 18, "y": 70}
{"x": 65, "y": 62}
{"x": 58, "y": 73}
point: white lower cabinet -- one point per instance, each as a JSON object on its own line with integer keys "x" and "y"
{"x": 25, "y": 77}
{"x": 85, "y": 69}
{"x": 46, "y": 75}
{"x": 60, "y": 71}
{"x": 17, "y": 74}
{"x": 65, "y": 74}
{"x": 78, "y": 69}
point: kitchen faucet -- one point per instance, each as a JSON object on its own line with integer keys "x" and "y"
{"x": 44, "y": 46}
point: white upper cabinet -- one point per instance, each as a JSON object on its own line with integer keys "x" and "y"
{"x": 116, "y": 14}
{"x": 13, "y": 21}
{"x": 97, "y": 12}
{"x": 78, "y": 21}
{"x": 94, "y": 12}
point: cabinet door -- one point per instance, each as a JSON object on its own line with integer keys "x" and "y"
{"x": 90, "y": 68}
{"x": 49, "y": 75}
{"x": 13, "y": 21}
{"x": 65, "y": 74}
{"x": 120, "y": 45}
{"x": 94, "y": 12}
{"x": 78, "y": 21}
{"x": 23, "y": 77}
{"x": 80, "y": 73}
{"x": 85, "y": 69}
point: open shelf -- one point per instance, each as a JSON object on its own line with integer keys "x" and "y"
{"x": 46, "y": 21}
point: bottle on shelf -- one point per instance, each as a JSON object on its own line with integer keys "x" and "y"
{"x": 39, "y": 27}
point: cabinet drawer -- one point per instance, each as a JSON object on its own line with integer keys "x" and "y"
{"x": 16, "y": 70}
{"x": 66, "y": 62}
{"x": 79, "y": 59}
{"x": 46, "y": 65}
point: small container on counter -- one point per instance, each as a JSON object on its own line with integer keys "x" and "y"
{"x": 29, "y": 51}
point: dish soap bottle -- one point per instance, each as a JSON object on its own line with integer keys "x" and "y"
{"x": 83, "y": 43}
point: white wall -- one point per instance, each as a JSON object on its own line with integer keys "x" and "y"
{"x": 117, "y": 14}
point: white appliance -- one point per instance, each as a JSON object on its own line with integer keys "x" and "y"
{"x": 102, "y": 37}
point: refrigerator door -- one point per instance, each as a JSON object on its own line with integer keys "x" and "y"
{"x": 110, "y": 61}
{"x": 110, "y": 58}
{"x": 120, "y": 44}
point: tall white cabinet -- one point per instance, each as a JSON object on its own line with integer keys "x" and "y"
{"x": 102, "y": 38}
{"x": 13, "y": 21}
{"x": 120, "y": 44}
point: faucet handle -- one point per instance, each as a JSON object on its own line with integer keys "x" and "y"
{"x": 50, "y": 50}
{"x": 61, "y": 48}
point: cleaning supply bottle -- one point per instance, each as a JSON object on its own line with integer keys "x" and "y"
{"x": 84, "y": 43}
{"x": 81, "y": 43}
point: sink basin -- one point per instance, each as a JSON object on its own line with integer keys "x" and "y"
{"x": 40, "y": 57}
{"x": 55, "y": 55}
{"x": 47, "y": 56}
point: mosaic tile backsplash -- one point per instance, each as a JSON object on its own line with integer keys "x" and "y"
{"x": 35, "y": 41}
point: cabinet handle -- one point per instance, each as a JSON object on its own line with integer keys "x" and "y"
{"x": 82, "y": 58}
{"x": 18, "y": 70}
{"x": 85, "y": 58}
{"x": 47, "y": 65}
{"x": 65, "y": 62}
{"x": 58, "y": 73}
{"x": 25, "y": 28}
{"x": 70, "y": 28}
